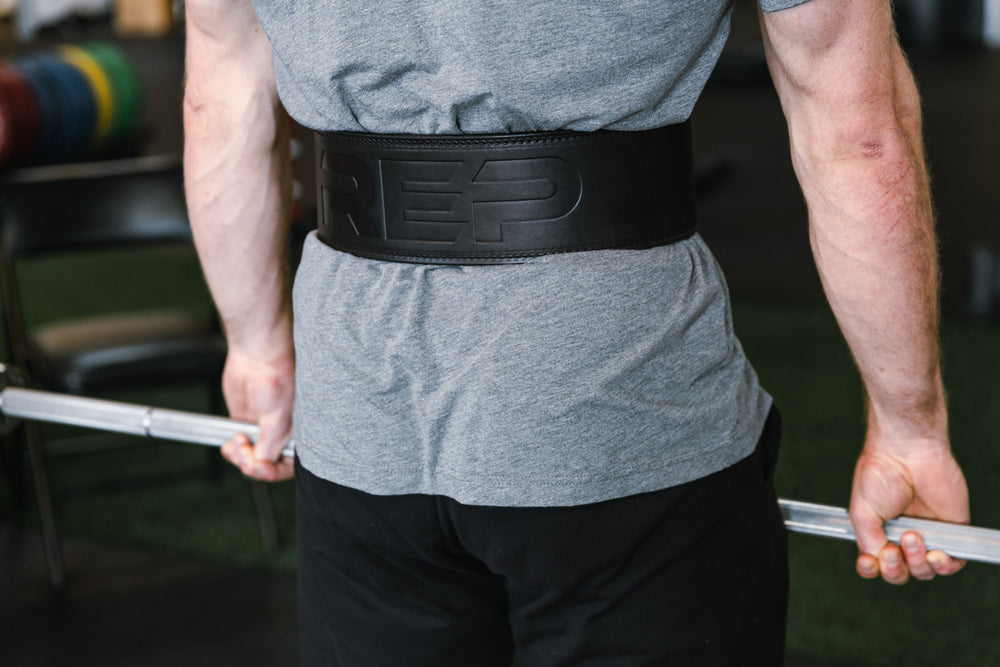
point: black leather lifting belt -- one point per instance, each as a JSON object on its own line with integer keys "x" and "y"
{"x": 493, "y": 199}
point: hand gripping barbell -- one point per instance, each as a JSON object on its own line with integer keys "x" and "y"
{"x": 959, "y": 541}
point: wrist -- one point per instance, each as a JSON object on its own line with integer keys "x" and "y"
{"x": 907, "y": 433}
{"x": 914, "y": 411}
{"x": 267, "y": 343}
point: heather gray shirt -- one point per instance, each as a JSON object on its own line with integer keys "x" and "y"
{"x": 458, "y": 66}
{"x": 566, "y": 379}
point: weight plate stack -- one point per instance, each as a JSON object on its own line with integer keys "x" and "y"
{"x": 68, "y": 104}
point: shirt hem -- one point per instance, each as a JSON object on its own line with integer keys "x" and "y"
{"x": 526, "y": 490}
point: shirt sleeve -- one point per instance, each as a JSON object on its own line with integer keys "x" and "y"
{"x": 776, "y": 5}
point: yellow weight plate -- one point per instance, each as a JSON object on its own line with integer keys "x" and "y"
{"x": 99, "y": 85}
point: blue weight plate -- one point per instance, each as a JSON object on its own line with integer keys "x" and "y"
{"x": 58, "y": 130}
{"x": 79, "y": 109}
{"x": 88, "y": 107}
{"x": 46, "y": 94}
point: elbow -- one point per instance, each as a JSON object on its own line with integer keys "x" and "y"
{"x": 875, "y": 127}
{"x": 881, "y": 152}
{"x": 254, "y": 121}
{"x": 888, "y": 140}
{"x": 871, "y": 148}
{"x": 890, "y": 164}
{"x": 193, "y": 100}
{"x": 198, "y": 108}
{"x": 866, "y": 138}
{"x": 892, "y": 153}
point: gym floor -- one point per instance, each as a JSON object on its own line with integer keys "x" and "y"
{"x": 132, "y": 607}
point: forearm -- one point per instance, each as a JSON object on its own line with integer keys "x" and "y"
{"x": 855, "y": 129}
{"x": 236, "y": 168}
{"x": 872, "y": 234}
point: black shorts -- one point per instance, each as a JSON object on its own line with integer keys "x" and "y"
{"x": 692, "y": 575}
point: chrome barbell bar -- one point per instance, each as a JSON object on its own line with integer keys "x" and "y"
{"x": 139, "y": 420}
{"x": 959, "y": 541}
{"x": 956, "y": 540}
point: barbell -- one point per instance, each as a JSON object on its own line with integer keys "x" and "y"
{"x": 17, "y": 402}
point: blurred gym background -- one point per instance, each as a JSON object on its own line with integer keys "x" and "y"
{"x": 156, "y": 554}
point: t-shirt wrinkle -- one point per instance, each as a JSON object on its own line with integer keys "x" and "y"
{"x": 565, "y": 379}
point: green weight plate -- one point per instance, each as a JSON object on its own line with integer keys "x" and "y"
{"x": 122, "y": 88}
{"x": 124, "y": 83}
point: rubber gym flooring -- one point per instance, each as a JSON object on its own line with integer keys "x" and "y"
{"x": 132, "y": 606}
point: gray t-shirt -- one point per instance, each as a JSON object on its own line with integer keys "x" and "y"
{"x": 563, "y": 380}
{"x": 457, "y": 66}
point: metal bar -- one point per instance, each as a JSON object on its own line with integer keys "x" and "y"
{"x": 74, "y": 410}
{"x": 196, "y": 428}
{"x": 120, "y": 417}
{"x": 979, "y": 544}
{"x": 959, "y": 541}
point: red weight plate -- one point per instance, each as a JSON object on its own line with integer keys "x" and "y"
{"x": 7, "y": 123}
{"x": 27, "y": 115}
{"x": 48, "y": 98}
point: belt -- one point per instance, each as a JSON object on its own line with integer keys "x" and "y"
{"x": 495, "y": 199}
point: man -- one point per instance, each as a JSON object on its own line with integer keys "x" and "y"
{"x": 568, "y": 453}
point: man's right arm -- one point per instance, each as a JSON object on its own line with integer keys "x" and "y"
{"x": 236, "y": 172}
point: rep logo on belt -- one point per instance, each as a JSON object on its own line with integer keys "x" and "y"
{"x": 447, "y": 202}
